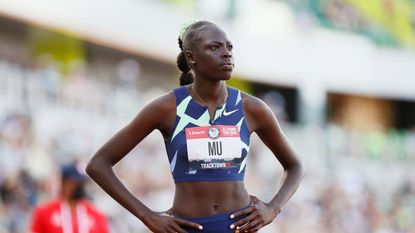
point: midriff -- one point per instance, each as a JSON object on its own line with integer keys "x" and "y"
{"x": 199, "y": 199}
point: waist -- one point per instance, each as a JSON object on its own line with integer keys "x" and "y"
{"x": 214, "y": 223}
{"x": 197, "y": 199}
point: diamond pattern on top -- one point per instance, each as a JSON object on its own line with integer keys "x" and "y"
{"x": 186, "y": 119}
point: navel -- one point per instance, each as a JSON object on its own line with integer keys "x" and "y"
{"x": 215, "y": 207}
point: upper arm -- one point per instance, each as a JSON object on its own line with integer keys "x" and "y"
{"x": 261, "y": 120}
{"x": 158, "y": 114}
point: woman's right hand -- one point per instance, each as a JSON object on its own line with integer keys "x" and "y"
{"x": 166, "y": 223}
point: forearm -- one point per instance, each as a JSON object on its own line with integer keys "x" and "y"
{"x": 102, "y": 173}
{"x": 290, "y": 181}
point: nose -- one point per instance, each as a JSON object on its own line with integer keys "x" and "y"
{"x": 227, "y": 53}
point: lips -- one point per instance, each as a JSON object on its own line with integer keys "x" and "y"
{"x": 228, "y": 66}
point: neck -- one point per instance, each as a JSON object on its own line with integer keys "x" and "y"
{"x": 210, "y": 92}
{"x": 71, "y": 202}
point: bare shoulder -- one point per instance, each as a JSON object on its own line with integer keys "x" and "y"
{"x": 256, "y": 112}
{"x": 164, "y": 103}
{"x": 159, "y": 113}
{"x": 252, "y": 104}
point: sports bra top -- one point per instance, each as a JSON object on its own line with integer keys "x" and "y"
{"x": 204, "y": 149}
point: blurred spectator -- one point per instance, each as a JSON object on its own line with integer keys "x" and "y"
{"x": 70, "y": 212}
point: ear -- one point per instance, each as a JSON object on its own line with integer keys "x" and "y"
{"x": 189, "y": 57}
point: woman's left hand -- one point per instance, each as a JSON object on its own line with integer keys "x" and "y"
{"x": 258, "y": 215}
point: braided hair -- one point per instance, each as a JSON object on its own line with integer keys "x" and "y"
{"x": 187, "y": 41}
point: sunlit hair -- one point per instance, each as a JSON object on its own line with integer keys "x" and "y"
{"x": 190, "y": 37}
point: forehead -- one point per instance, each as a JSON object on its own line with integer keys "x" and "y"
{"x": 213, "y": 33}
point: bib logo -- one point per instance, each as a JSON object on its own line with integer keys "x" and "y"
{"x": 213, "y": 132}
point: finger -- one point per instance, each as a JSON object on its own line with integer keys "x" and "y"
{"x": 243, "y": 221}
{"x": 250, "y": 226}
{"x": 189, "y": 224}
{"x": 242, "y": 212}
{"x": 256, "y": 229}
{"x": 177, "y": 229}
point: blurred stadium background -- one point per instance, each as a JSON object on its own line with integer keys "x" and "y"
{"x": 339, "y": 74}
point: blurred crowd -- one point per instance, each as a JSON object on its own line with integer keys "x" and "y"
{"x": 346, "y": 16}
{"x": 355, "y": 181}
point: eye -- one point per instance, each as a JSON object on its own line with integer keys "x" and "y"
{"x": 230, "y": 47}
{"x": 214, "y": 47}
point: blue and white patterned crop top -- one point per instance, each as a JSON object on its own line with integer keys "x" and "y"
{"x": 201, "y": 149}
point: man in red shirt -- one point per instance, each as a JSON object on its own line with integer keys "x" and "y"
{"x": 71, "y": 212}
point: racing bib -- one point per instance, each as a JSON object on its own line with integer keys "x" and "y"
{"x": 213, "y": 147}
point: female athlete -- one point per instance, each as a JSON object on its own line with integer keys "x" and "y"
{"x": 206, "y": 127}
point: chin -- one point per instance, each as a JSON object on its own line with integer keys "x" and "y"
{"x": 227, "y": 76}
{"x": 222, "y": 76}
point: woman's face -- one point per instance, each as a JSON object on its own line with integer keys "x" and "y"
{"x": 212, "y": 55}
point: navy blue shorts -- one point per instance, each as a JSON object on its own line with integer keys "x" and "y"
{"x": 214, "y": 223}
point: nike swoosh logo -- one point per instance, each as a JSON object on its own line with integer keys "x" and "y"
{"x": 229, "y": 113}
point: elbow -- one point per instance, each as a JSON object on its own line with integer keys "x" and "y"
{"x": 90, "y": 168}
{"x": 297, "y": 168}
{"x": 93, "y": 167}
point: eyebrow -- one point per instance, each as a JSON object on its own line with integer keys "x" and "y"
{"x": 218, "y": 42}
